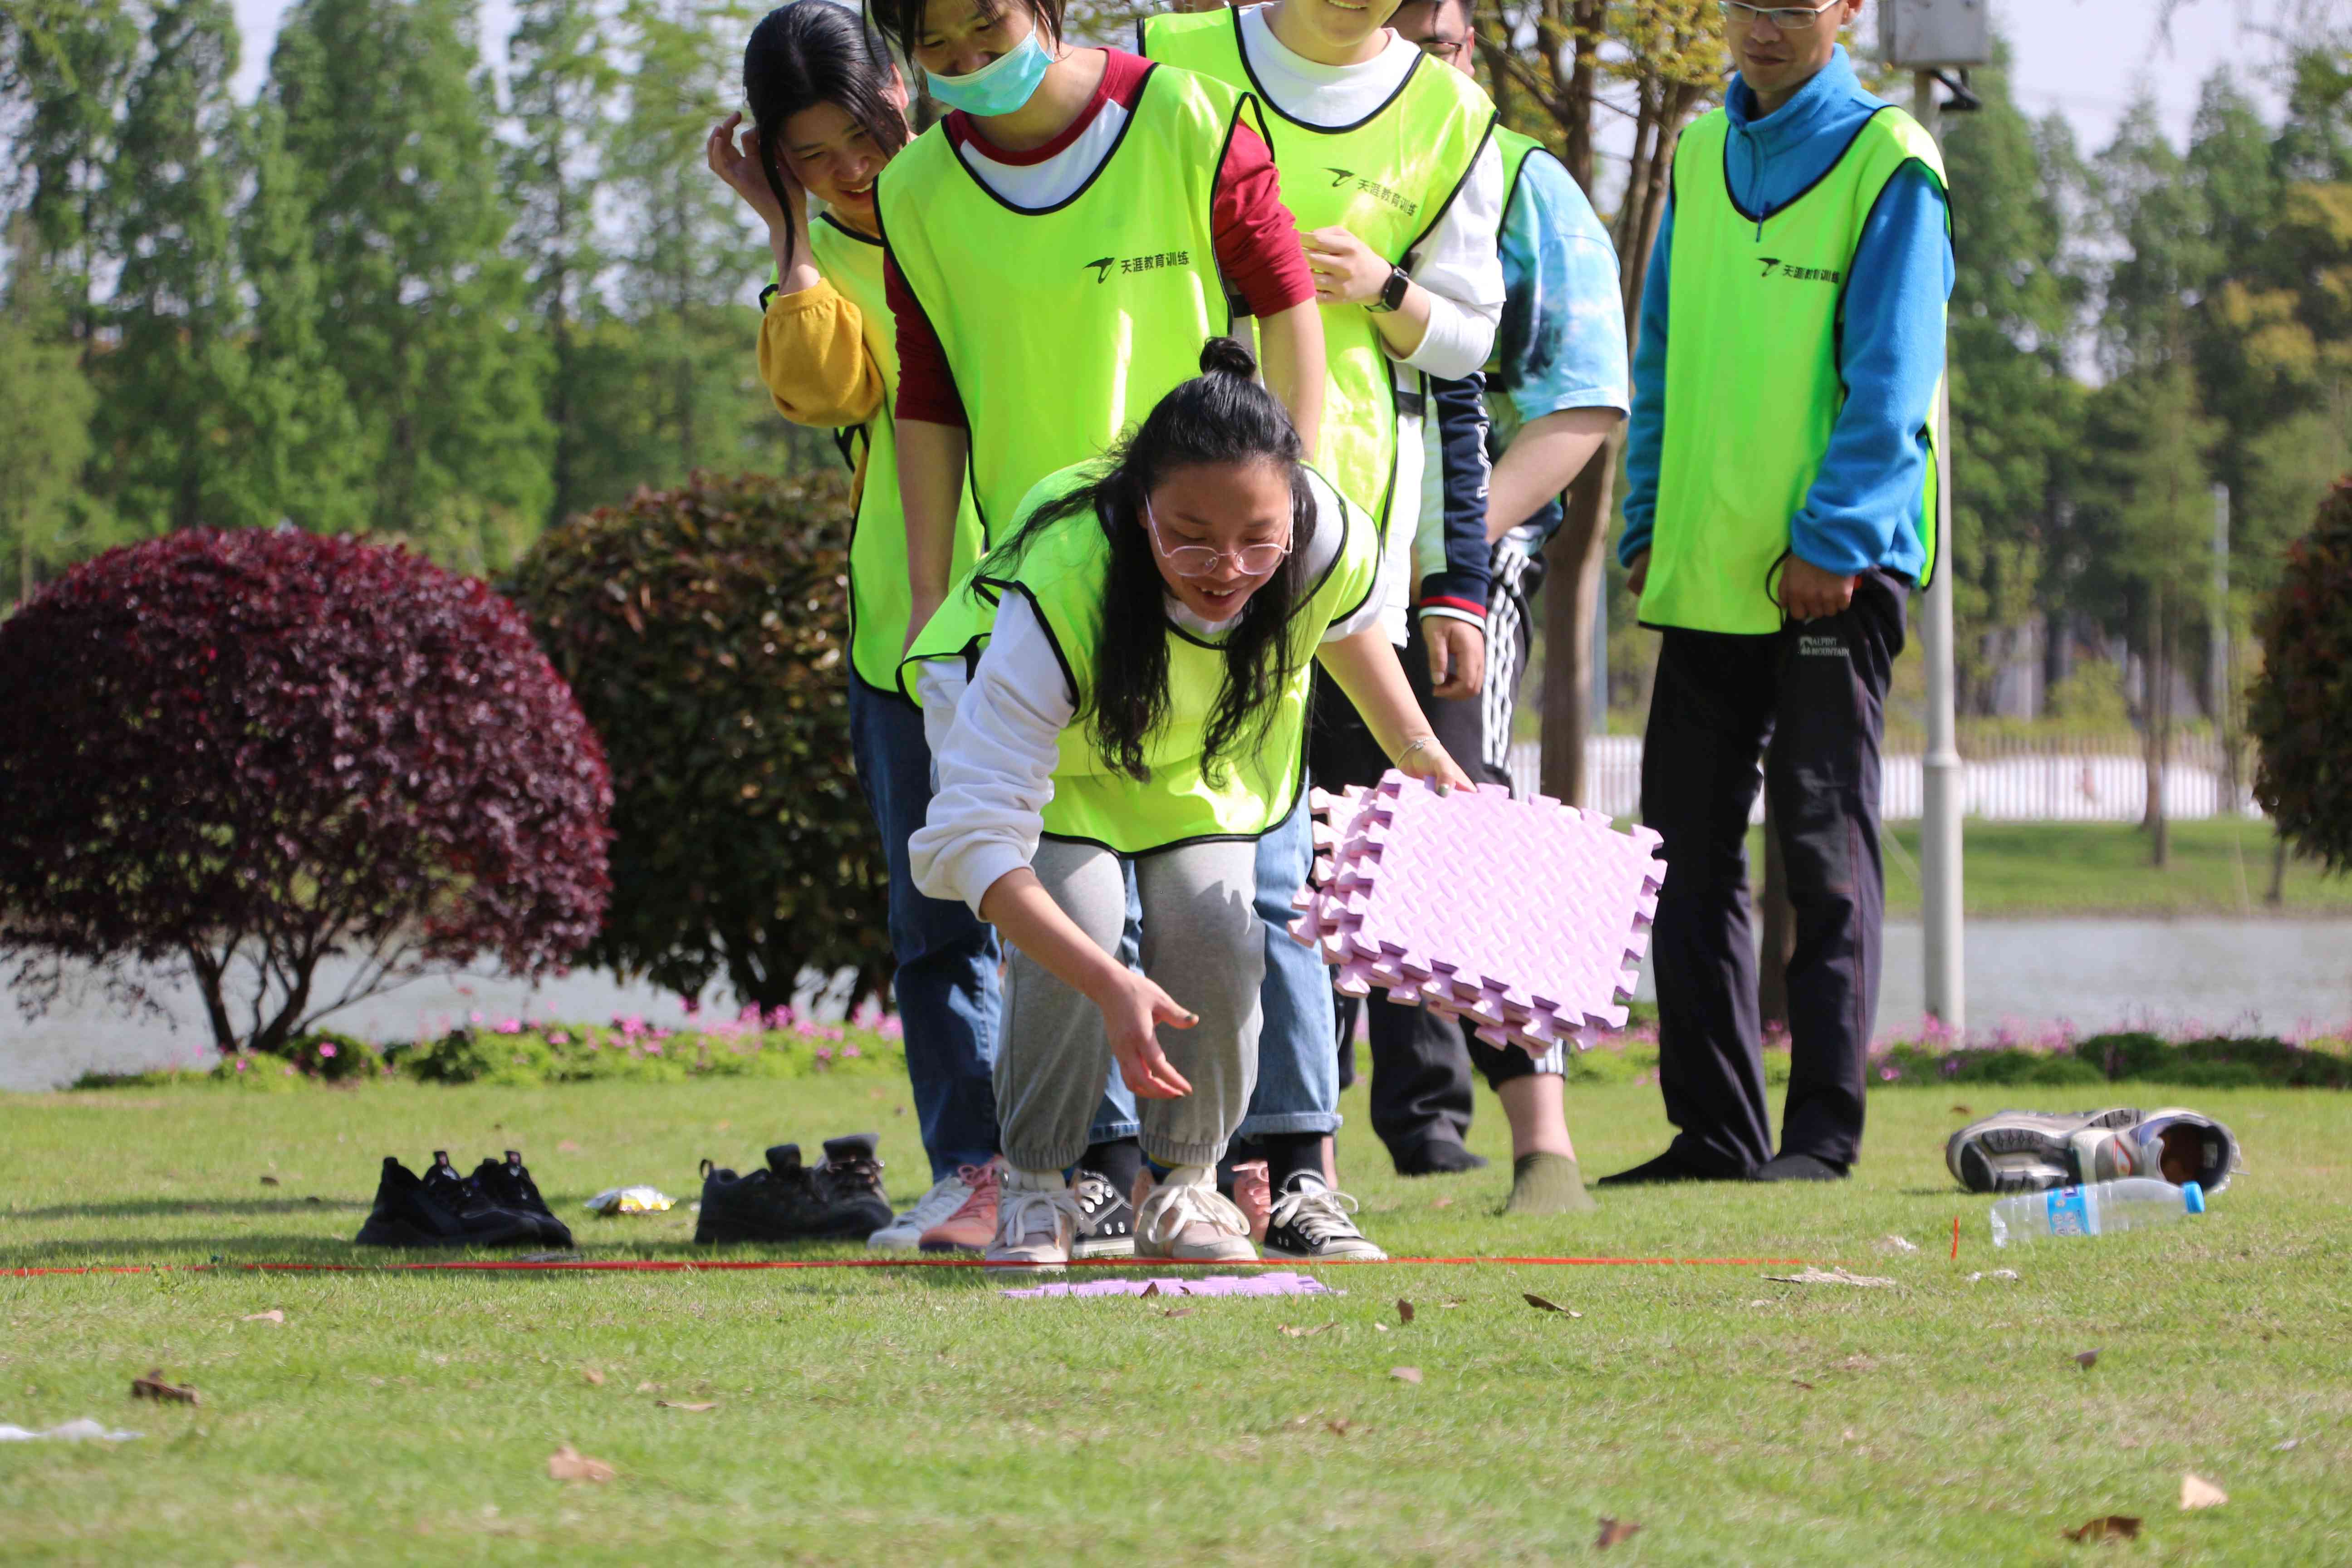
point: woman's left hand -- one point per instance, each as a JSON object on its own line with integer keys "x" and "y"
{"x": 1430, "y": 760}
{"x": 1347, "y": 270}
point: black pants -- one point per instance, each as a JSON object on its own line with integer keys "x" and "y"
{"x": 1422, "y": 1061}
{"x": 1814, "y": 694}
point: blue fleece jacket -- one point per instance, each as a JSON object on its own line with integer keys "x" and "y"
{"x": 1862, "y": 509}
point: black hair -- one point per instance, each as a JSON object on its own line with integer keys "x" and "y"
{"x": 812, "y": 52}
{"x": 1222, "y": 416}
{"x": 901, "y": 21}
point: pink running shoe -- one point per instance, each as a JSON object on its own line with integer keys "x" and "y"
{"x": 972, "y": 1227}
{"x": 1253, "y": 1196}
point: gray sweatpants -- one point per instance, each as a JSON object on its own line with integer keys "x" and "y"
{"x": 1202, "y": 944}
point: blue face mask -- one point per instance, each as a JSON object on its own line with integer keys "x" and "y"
{"x": 1001, "y": 86}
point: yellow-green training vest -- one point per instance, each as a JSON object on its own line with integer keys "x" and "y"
{"x": 879, "y": 596}
{"x": 1752, "y": 386}
{"x": 1387, "y": 179}
{"x": 1063, "y": 575}
{"x": 1063, "y": 326}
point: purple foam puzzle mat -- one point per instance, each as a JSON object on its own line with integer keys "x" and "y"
{"x": 1267, "y": 1284}
{"x": 1524, "y": 919}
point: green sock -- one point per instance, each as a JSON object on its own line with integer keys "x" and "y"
{"x": 1547, "y": 1184}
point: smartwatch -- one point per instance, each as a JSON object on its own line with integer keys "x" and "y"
{"x": 1392, "y": 292}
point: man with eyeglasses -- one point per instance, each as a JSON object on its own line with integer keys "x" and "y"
{"x": 1779, "y": 510}
{"x": 1556, "y": 387}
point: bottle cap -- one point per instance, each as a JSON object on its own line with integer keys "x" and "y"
{"x": 2195, "y": 1195}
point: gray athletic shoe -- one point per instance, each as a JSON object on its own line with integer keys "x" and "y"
{"x": 2026, "y": 1151}
{"x": 2023, "y": 1151}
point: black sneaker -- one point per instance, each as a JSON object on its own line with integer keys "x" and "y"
{"x": 444, "y": 1209}
{"x": 508, "y": 1188}
{"x": 851, "y": 1180}
{"x": 782, "y": 1202}
{"x": 1106, "y": 1218}
{"x": 406, "y": 1214}
{"x": 1311, "y": 1222}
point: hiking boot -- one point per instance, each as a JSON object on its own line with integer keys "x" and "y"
{"x": 2027, "y": 1150}
{"x": 1105, "y": 1219}
{"x": 904, "y": 1233}
{"x": 1034, "y": 1228}
{"x": 1186, "y": 1220}
{"x": 851, "y": 1180}
{"x": 973, "y": 1227}
{"x": 782, "y": 1202}
{"x": 1310, "y": 1222}
{"x": 1253, "y": 1196}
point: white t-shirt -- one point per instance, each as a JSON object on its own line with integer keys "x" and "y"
{"x": 995, "y": 738}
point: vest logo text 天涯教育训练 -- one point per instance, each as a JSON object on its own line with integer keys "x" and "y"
{"x": 1774, "y": 265}
{"x": 1105, "y": 266}
{"x": 1351, "y": 180}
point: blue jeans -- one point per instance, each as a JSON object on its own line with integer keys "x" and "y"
{"x": 948, "y": 957}
{"x": 1298, "y": 1064}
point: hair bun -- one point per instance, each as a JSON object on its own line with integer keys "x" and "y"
{"x": 1227, "y": 356}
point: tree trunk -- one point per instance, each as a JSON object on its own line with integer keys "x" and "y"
{"x": 1571, "y": 599}
{"x": 208, "y": 971}
{"x": 2276, "y": 896}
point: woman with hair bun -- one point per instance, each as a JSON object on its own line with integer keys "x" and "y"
{"x": 1121, "y": 685}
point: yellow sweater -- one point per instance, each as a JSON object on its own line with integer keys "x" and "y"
{"x": 812, "y": 358}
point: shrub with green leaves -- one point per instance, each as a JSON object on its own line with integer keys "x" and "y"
{"x": 704, "y": 632}
{"x": 2301, "y": 710}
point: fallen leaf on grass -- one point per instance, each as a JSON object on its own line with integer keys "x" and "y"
{"x": 2196, "y": 1492}
{"x": 567, "y": 1147}
{"x": 2283, "y": 1447}
{"x": 1179, "y": 1311}
{"x": 1440, "y": 1202}
{"x": 1614, "y": 1530}
{"x": 1152, "y": 1289}
{"x": 593, "y": 1376}
{"x": 1449, "y": 1303}
{"x": 569, "y": 1464}
{"x": 1828, "y": 1277}
{"x": 269, "y": 1181}
{"x": 1962, "y": 1110}
{"x": 675, "y": 1404}
{"x": 275, "y": 1315}
{"x": 1339, "y": 1426}
{"x": 2086, "y": 1360}
{"x": 153, "y": 1387}
{"x": 2111, "y": 1527}
{"x": 1296, "y": 1332}
{"x": 1380, "y": 1328}
{"x": 1800, "y": 1383}
{"x": 1539, "y": 1304}
{"x": 1406, "y": 1374}
{"x": 1404, "y": 1311}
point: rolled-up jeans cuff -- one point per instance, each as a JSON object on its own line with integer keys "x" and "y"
{"x": 1291, "y": 1121}
{"x": 1110, "y": 1132}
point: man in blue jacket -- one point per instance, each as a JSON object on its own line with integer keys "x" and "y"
{"x": 1780, "y": 507}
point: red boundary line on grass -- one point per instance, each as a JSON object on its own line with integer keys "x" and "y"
{"x": 683, "y": 1266}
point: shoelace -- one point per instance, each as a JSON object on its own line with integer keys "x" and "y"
{"x": 947, "y": 1197}
{"x": 856, "y": 1172}
{"x": 984, "y": 1181}
{"x": 1028, "y": 1212}
{"x": 1188, "y": 1205}
{"x": 1094, "y": 1193}
{"x": 1318, "y": 1213}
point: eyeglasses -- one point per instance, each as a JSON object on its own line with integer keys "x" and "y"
{"x": 1450, "y": 50}
{"x": 1199, "y": 560}
{"x": 1787, "y": 18}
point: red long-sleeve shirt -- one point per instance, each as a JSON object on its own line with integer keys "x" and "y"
{"x": 1257, "y": 238}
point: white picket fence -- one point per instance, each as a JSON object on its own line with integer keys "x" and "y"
{"x": 2008, "y": 780}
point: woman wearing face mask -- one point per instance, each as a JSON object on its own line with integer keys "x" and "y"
{"x": 1060, "y": 246}
{"x": 830, "y": 112}
{"x": 1120, "y": 686}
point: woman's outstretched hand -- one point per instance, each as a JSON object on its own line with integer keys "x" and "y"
{"x": 741, "y": 172}
{"x": 1132, "y": 1009}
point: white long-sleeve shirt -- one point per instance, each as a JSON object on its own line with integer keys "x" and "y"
{"x": 996, "y": 737}
{"x": 1458, "y": 262}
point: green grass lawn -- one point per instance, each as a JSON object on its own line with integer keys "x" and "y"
{"x": 919, "y": 1417}
{"x": 2018, "y": 868}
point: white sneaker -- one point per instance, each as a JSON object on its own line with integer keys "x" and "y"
{"x": 1035, "y": 1228}
{"x": 904, "y": 1233}
{"x": 1190, "y": 1221}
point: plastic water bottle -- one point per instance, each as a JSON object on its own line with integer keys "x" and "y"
{"x": 2100, "y": 1209}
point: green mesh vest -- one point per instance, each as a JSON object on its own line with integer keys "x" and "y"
{"x": 1752, "y": 383}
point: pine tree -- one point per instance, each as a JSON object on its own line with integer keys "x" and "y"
{"x": 387, "y": 124}
{"x": 165, "y": 459}
{"x": 45, "y": 406}
{"x": 562, "y": 80}
{"x": 71, "y": 75}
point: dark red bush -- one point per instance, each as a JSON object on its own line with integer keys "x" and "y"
{"x": 250, "y": 752}
{"x": 2300, "y": 713}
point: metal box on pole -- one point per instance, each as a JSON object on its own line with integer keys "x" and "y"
{"x": 1935, "y": 35}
